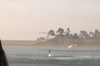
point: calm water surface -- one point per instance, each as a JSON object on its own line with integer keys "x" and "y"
{"x": 33, "y": 56}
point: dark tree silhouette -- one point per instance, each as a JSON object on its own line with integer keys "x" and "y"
{"x": 68, "y": 30}
{"x": 51, "y": 32}
{"x": 60, "y": 31}
{"x": 91, "y": 34}
{"x": 67, "y": 34}
{"x": 75, "y": 36}
{"x": 83, "y": 34}
{"x": 60, "y": 36}
{"x": 96, "y": 34}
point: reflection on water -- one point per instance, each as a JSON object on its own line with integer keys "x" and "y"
{"x": 33, "y": 56}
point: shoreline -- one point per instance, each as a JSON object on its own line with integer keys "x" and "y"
{"x": 34, "y": 43}
{"x": 65, "y": 47}
{"x": 54, "y": 47}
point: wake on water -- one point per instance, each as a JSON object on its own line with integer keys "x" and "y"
{"x": 54, "y": 60}
{"x": 52, "y": 57}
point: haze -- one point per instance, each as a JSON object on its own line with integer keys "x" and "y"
{"x": 23, "y": 19}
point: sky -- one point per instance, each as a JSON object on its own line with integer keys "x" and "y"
{"x": 24, "y": 19}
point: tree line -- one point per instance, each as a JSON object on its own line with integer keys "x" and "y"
{"x": 61, "y": 34}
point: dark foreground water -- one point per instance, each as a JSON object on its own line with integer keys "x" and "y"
{"x": 32, "y": 56}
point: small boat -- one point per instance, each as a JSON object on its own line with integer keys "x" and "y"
{"x": 72, "y": 46}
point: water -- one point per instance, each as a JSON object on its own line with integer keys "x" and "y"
{"x": 33, "y": 56}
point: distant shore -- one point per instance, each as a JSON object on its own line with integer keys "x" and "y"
{"x": 63, "y": 46}
{"x": 18, "y": 42}
{"x": 33, "y": 43}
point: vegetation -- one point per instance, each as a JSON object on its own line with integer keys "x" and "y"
{"x": 82, "y": 35}
{"x": 62, "y": 38}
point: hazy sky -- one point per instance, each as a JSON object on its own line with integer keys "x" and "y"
{"x": 23, "y": 19}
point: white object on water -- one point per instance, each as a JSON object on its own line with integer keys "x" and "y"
{"x": 49, "y": 54}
